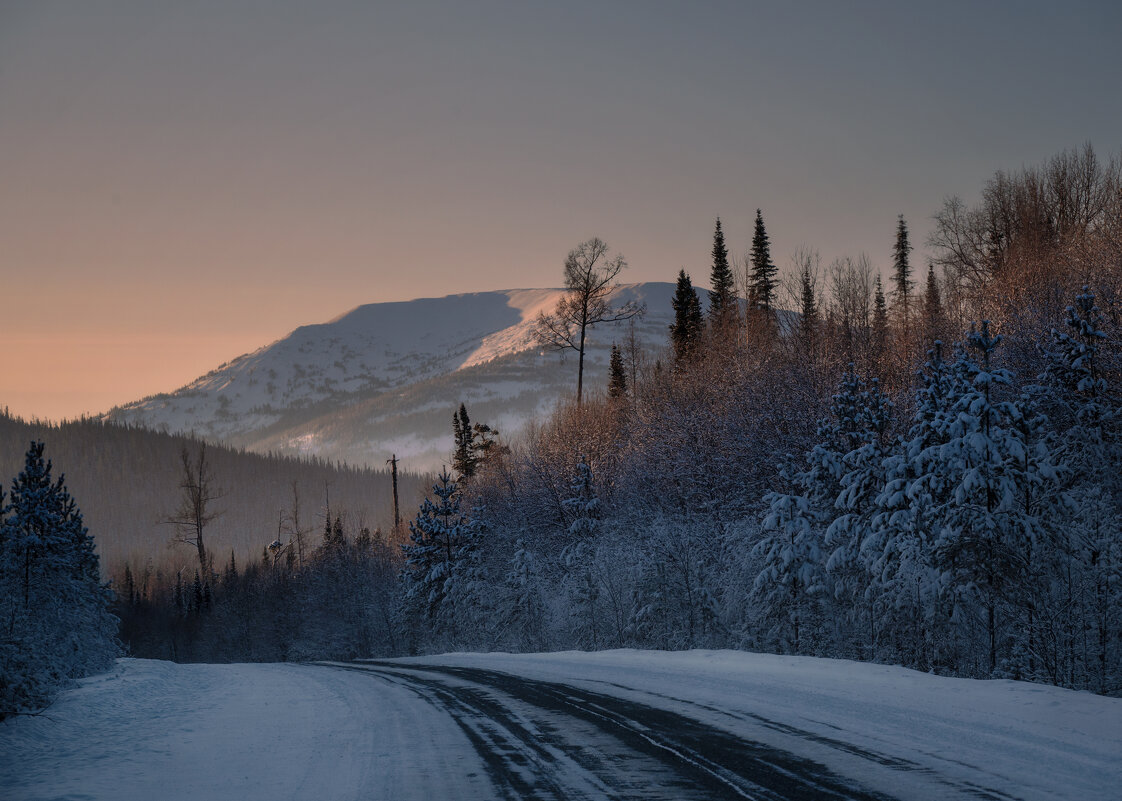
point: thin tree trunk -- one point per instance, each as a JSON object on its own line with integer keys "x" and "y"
{"x": 580, "y": 364}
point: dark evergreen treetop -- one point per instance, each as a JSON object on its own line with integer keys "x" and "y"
{"x": 475, "y": 445}
{"x": 880, "y": 319}
{"x": 685, "y": 332}
{"x": 902, "y": 271}
{"x": 932, "y": 304}
{"x": 617, "y": 376}
{"x": 722, "y": 297}
{"x": 762, "y": 279}
{"x": 808, "y": 317}
{"x": 463, "y": 455}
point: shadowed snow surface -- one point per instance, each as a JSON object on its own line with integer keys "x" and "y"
{"x": 617, "y": 724}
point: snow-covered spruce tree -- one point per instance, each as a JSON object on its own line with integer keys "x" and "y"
{"x": 987, "y": 531}
{"x": 675, "y": 597}
{"x": 579, "y": 557}
{"x": 787, "y": 588}
{"x": 848, "y": 565}
{"x": 55, "y": 624}
{"x": 790, "y": 588}
{"x": 526, "y": 613}
{"x": 441, "y": 563}
{"x": 1075, "y": 392}
{"x": 904, "y": 584}
{"x": 467, "y": 588}
{"x": 1075, "y": 389}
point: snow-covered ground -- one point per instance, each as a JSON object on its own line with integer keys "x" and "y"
{"x": 625, "y": 724}
{"x": 158, "y": 730}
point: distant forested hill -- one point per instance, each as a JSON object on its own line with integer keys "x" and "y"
{"x": 126, "y": 481}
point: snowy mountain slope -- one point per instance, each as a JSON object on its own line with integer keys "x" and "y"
{"x": 615, "y": 724}
{"x": 385, "y": 377}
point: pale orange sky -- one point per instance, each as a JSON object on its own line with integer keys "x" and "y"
{"x": 181, "y": 183}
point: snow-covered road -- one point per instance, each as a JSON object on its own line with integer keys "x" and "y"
{"x": 619, "y": 724}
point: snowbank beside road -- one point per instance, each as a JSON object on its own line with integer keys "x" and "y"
{"x": 1029, "y": 740}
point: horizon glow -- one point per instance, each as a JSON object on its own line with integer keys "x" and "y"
{"x": 189, "y": 182}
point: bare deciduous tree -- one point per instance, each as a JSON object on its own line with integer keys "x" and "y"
{"x": 851, "y": 288}
{"x": 590, "y": 276}
{"x": 296, "y": 531}
{"x": 195, "y": 511}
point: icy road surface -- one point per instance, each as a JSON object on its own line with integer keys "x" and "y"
{"x": 617, "y": 724}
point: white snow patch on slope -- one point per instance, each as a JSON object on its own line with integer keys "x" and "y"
{"x": 519, "y": 337}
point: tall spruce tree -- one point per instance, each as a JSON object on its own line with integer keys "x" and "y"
{"x": 442, "y": 559}
{"x": 1086, "y": 416}
{"x": 880, "y": 322}
{"x": 617, "y": 375}
{"x": 902, "y": 278}
{"x": 900, "y": 547}
{"x": 463, "y": 455}
{"x": 849, "y": 562}
{"x": 685, "y": 331}
{"x": 54, "y": 608}
{"x": 792, "y": 581}
{"x": 722, "y": 297}
{"x": 988, "y": 458}
{"x": 474, "y": 445}
{"x": 808, "y": 310}
{"x": 579, "y": 555}
{"x": 932, "y": 306}
{"x": 762, "y": 278}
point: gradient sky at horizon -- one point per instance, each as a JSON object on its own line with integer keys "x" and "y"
{"x": 181, "y": 182}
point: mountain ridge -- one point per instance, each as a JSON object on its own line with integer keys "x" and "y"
{"x": 383, "y": 379}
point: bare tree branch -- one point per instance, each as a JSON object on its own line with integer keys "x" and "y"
{"x": 195, "y": 511}
{"x": 590, "y": 278}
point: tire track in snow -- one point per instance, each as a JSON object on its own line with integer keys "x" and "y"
{"x": 886, "y": 760}
{"x": 640, "y": 751}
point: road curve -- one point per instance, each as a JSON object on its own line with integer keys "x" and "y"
{"x": 545, "y": 740}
